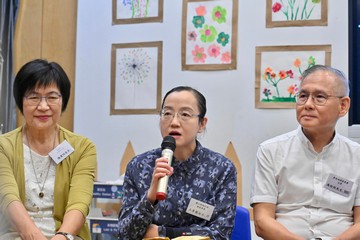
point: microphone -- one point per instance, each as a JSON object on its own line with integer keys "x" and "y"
{"x": 168, "y": 146}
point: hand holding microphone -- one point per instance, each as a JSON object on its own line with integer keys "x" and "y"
{"x": 168, "y": 146}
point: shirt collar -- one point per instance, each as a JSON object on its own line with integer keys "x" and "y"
{"x": 190, "y": 164}
{"x": 307, "y": 142}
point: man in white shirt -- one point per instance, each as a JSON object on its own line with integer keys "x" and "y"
{"x": 306, "y": 181}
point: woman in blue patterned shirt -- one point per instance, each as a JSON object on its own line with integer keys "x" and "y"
{"x": 201, "y": 193}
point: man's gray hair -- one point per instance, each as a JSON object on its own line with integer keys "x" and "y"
{"x": 340, "y": 76}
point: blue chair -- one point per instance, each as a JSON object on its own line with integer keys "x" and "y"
{"x": 242, "y": 230}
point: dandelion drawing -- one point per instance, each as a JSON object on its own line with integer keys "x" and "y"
{"x": 295, "y": 10}
{"x": 134, "y": 66}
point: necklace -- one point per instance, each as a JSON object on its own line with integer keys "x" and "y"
{"x": 41, "y": 193}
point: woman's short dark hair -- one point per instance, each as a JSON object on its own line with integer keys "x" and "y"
{"x": 41, "y": 73}
{"x": 201, "y": 101}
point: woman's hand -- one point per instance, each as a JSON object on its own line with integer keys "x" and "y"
{"x": 35, "y": 235}
{"x": 152, "y": 231}
{"x": 22, "y": 223}
{"x": 161, "y": 169}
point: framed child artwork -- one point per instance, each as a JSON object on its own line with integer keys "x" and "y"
{"x": 289, "y": 13}
{"x": 136, "y": 78}
{"x": 279, "y": 72}
{"x": 137, "y": 11}
{"x": 209, "y": 30}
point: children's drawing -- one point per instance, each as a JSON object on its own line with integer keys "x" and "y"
{"x": 137, "y": 11}
{"x": 209, "y": 35}
{"x": 136, "y": 78}
{"x": 282, "y": 13}
{"x": 280, "y": 72}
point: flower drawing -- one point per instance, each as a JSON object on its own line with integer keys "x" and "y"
{"x": 226, "y": 57}
{"x": 139, "y": 8}
{"x": 292, "y": 89}
{"x": 276, "y": 7}
{"x": 199, "y": 55}
{"x": 295, "y": 9}
{"x": 223, "y": 39}
{"x": 310, "y": 62}
{"x": 214, "y": 50}
{"x": 192, "y": 36}
{"x": 274, "y": 79}
{"x": 134, "y": 66}
{"x": 200, "y": 11}
{"x": 267, "y": 93}
{"x": 219, "y": 14}
{"x": 198, "y": 21}
{"x": 208, "y": 34}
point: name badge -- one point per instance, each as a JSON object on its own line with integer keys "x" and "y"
{"x": 338, "y": 185}
{"x": 61, "y": 152}
{"x": 200, "y": 209}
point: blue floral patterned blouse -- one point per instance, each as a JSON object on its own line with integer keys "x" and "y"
{"x": 206, "y": 176}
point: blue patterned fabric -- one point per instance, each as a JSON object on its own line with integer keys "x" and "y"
{"x": 206, "y": 176}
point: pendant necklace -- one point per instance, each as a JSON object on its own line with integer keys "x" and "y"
{"x": 41, "y": 193}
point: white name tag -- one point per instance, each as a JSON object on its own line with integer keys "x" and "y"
{"x": 61, "y": 152}
{"x": 200, "y": 209}
{"x": 338, "y": 185}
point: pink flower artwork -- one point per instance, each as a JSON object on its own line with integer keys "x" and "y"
{"x": 214, "y": 50}
{"x": 226, "y": 57}
{"x": 199, "y": 55}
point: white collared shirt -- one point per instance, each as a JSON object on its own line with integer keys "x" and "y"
{"x": 292, "y": 175}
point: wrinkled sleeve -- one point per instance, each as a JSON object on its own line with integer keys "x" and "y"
{"x": 136, "y": 212}
{"x": 8, "y": 186}
{"x": 264, "y": 187}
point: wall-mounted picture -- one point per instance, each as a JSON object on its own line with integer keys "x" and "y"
{"x": 209, "y": 35}
{"x": 136, "y": 70}
{"x": 290, "y": 13}
{"x": 279, "y": 72}
{"x": 137, "y": 11}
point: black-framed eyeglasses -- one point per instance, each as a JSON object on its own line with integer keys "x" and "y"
{"x": 183, "y": 115}
{"x": 319, "y": 99}
{"x": 34, "y": 99}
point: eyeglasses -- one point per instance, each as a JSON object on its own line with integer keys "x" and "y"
{"x": 319, "y": 99}
{"x": 34, "y": 99}
{"x": 167, "y": 115}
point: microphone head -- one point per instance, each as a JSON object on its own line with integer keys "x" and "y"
{"x": 168, "y": 143}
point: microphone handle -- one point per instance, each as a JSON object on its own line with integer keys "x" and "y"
{"x": 163, "y": 182}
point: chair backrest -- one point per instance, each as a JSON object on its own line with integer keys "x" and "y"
{"x": 242, "y": 230}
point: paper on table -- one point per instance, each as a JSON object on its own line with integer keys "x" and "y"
{"x": 191, "y": 238}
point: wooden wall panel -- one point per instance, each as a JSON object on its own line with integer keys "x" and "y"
{"x": 47, "y": 29}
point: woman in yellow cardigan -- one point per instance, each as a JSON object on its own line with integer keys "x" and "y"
{"x": 46, "y": 171}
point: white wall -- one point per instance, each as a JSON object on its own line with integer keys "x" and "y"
{"x": 230, "y": 94}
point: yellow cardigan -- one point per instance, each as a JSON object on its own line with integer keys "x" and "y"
{"x": 74, "y": 176}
